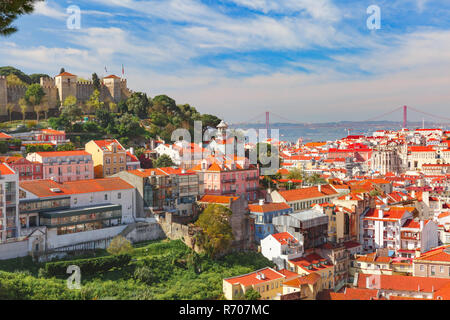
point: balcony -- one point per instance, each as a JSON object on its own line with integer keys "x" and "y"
{"x": 229, "y": 180}
{"x": 251, "y": 178}
{"x": 229, "y": 191}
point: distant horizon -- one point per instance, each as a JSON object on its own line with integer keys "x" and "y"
{"x": 308, "y": 60}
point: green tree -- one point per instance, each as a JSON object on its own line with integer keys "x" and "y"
{"x": 315, "y": 179}
{"x": 36, "y": 77}
{"x": 60, "y": 123}
{"x": 94, "y": 102}
{"x": 10, "y": 11}
{"x": 10, "y": 108}
{"x": 296, "y": 174}
{"x": 96, "y": 81}
{"x": 66, "y": 147}
{"x": 71, "y": 110}
{"x": 209, "y": 121}
{"x": 120, "y": 245}
{"x": 13, "y": 80}
{"x": 5, "y": 71}
{"x": 138, "y": 104}
{"x": 23, "y": 107}
{"x": 217, "y": 234}
{"x": 34, "y": 94}
{"x": 3, "y": 147}
{"x": 252, "y": 294}
{"x": 122, "y": 107}
{"x": 104, "y": 117}
{"x": 163, "y": 162}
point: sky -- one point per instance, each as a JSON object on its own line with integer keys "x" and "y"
{"x": 302, "y": 60}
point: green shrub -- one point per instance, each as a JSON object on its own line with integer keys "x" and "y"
{"x": 88, "y": 266}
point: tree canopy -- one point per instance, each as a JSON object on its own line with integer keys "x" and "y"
{"x": 163, "y": 162}
{"x": 217, "y": 234}
{"x": 10, "y": 10}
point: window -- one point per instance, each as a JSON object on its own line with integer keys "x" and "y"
{"x": 433, "y": 271}
{"x": 106, "y": 197}
{"x": 441, "y": 269}
{"x": 119, "y": 195}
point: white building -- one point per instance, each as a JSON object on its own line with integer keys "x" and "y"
{"x": 9, "y": 211}
{"x": 280, "y": 247}
{"x": 75, "y": 212}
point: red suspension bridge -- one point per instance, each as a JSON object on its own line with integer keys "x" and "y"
{"x": 404, "y": 109}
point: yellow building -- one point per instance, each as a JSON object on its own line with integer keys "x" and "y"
{"x": 109, "y": 157}
{"x": 267, "y": 282}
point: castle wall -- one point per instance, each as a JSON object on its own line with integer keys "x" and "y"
{"x": 3, "y": 96}
{"x": 59, "y": 88}
{"x": 15, "y": 93}
{"x": 84, "y": 90}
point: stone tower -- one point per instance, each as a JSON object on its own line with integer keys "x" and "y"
{"x": 3, "y": 96}
{"x": 67, "y": 85}
{"x": 113, "y": 84}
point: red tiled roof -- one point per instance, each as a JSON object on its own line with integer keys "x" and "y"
{"x": 307, "y": 193}
{"x": 217, "y": 199}
{"x": 41, "y": 188}
{"x": 437, "y": 254}
{"x": 268, "y": 207}
{"x": 65, "y": 74}
{"x": 311, "y": 278}
{"x": 5, "y": 170}
{"x": 354, "y": 294}
{"x": 51, "y": 154}
{"x": 112, "y": 76}
{"x": 283, "y": 237}
{"x": 4, "y": 136}
{"x": 394, "y": 213}
{"x": 104, "y": 143}
{"x": 251, "y": 278}
{"x": 404, "y": 283}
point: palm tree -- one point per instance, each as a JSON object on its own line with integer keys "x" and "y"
{"x": 23, "y": 107}
{"x": 10, "y": 108}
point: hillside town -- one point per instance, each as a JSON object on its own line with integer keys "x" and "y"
{"x": 362, "y": 217}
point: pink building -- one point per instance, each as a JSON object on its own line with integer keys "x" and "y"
{"x": 63, "y": 166}
{"x": 229, "y": 178}
{"x": 51, "y": 135}
{"x": 26, "y": 169}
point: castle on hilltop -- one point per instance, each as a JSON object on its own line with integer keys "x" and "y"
{"x": 57, "y": 89}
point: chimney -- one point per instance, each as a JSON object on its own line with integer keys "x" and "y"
{"x": 380, "y": 213}
{"x": 385, "y": 200}
{"x": 421, "y": 225}
{"x": 319, "y": 188}
{"x": 261, "y": 202}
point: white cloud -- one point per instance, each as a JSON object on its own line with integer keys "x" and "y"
{"x": 44, "y": 9}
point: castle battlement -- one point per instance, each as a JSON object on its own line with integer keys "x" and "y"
{"x": 17, "y": 87}
{"x": 85, "y": 82}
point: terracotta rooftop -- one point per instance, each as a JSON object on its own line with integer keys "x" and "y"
{"x": 41, "y": 188}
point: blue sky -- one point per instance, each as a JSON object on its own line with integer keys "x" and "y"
{"x": 306, "y": 60}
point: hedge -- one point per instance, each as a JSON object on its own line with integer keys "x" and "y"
{"x": 87, "y": 266}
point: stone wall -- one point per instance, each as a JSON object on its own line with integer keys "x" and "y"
{"x": 12, "y": 250}
{"x": 175, "y": 231}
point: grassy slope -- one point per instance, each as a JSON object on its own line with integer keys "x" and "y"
{"x": 174, "y": 276}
